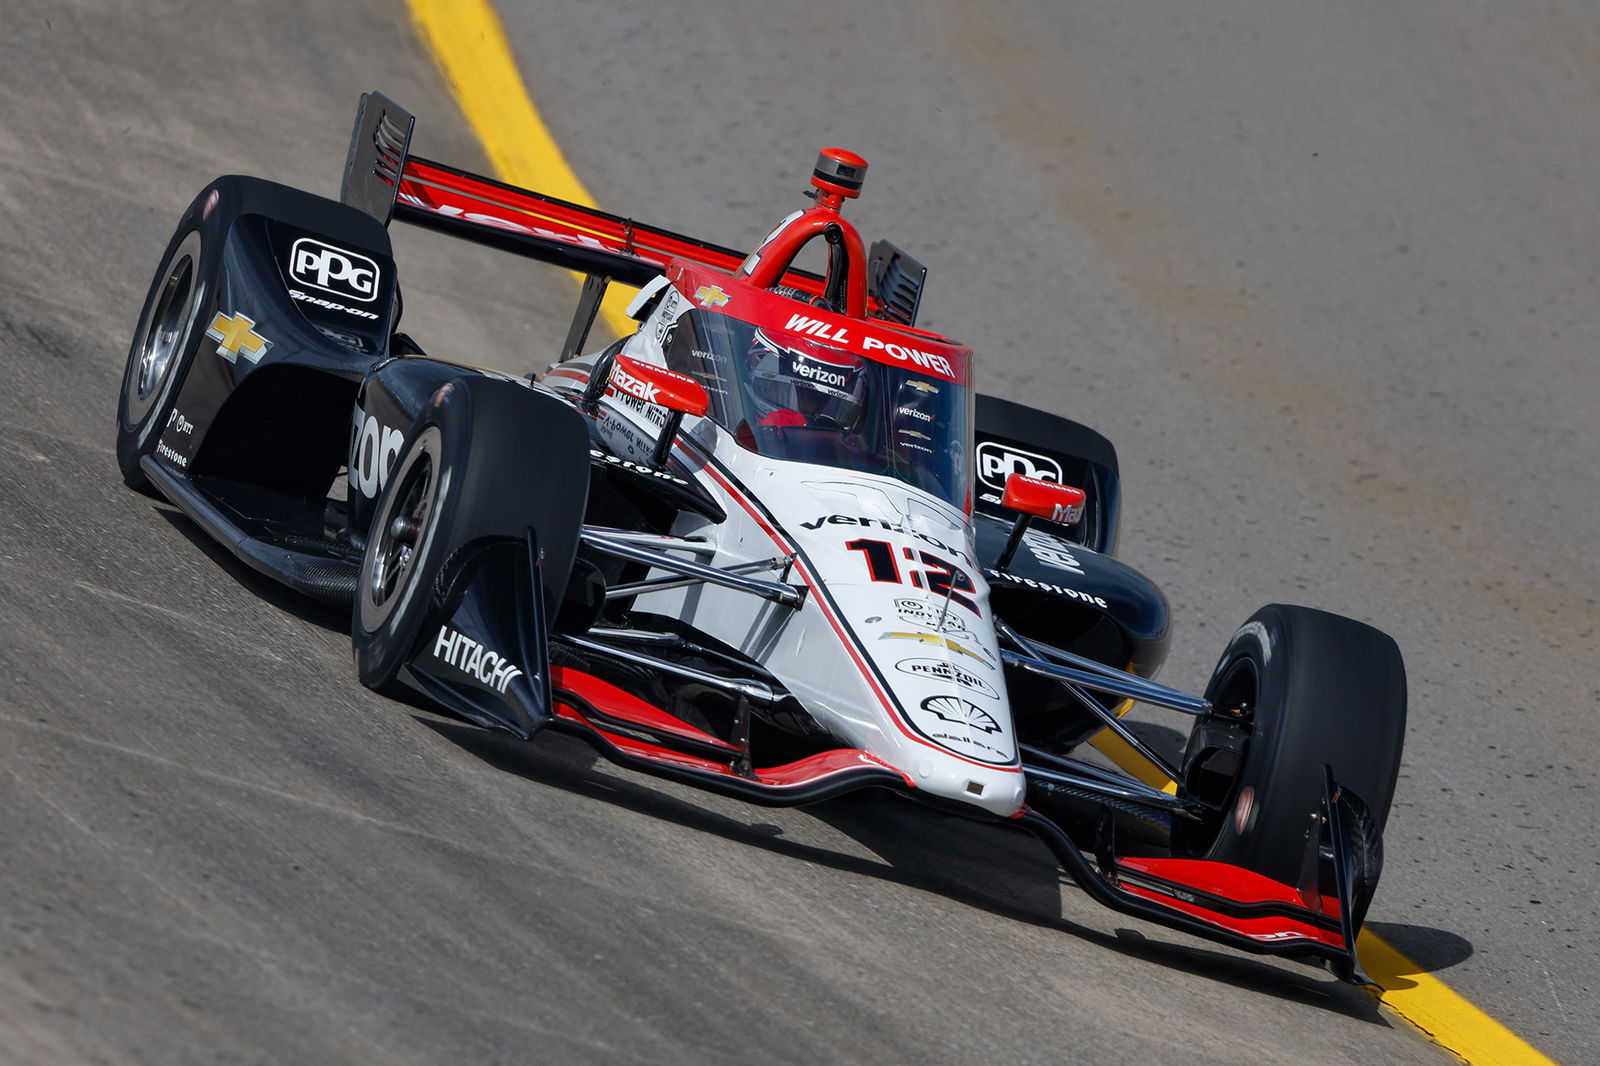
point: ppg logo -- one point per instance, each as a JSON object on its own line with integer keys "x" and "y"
{"x": 322, "y": 266}
{"x": 996, "y": 462}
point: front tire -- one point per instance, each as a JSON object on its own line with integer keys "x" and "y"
{"x": 1299, "y": 688}
{"x": 485, "y": 461}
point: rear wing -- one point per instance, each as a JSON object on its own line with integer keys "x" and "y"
{"x": 383, "y": 179}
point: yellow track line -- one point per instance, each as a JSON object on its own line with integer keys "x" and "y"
{"x": 470, "y": 47}
{"x": 1435, "y": 1008}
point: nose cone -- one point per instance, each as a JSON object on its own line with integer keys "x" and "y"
{"x": 925, "y": 688}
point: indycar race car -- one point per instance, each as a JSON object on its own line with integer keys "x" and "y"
{"x": 771, "y": 544}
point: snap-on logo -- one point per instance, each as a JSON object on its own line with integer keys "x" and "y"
{"x": 996, "y": 462}
{"x": 322, "y": 266}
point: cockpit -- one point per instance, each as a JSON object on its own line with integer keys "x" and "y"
{"x": 789, "y": 396}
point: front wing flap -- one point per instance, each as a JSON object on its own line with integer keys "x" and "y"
{"x": 1230, "y": 904}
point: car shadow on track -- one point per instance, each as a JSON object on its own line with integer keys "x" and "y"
{"x": 1430, "y": 949}
{"x": 993, "y": 868}
{"x": 333, "y": 619}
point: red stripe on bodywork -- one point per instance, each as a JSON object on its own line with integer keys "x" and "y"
{"x": 624, "y": 705}
{"x": 1232, "y": 883}
{"x": 794, "y": 775}
{"x": 875, "y": 339}
{"x": 851, "y": 645}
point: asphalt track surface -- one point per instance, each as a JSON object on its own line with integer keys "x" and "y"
{"x": 1325, "y": 273}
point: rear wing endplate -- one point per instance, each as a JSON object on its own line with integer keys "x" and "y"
{"x": 377, "y": 156}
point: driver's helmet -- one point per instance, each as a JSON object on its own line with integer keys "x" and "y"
{"x": 815, "y": 387}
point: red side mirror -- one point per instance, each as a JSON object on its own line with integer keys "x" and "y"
{"x": 1049, "y": 500}
{"x": 660, "y": 386}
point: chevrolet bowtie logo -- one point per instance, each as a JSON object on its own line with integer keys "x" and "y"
{"x": 711, "y": 296}
{"x": 943, "y": 642}
{"x": 235, "y": 336}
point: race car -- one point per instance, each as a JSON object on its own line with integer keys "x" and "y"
{"x": 771, "y": 543}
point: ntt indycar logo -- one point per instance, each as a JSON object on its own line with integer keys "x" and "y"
{"x": 479, "y": 663}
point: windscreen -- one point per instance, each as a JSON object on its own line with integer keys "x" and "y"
{"x": 790, "y": 397}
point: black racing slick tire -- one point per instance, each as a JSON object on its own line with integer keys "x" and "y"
{"x": 1298, "y": 688}
{"x": 485, "y": 461}
{"x": 171, "y": 328}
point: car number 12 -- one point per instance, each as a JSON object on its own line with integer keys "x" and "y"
{"x": 938, "y": 576}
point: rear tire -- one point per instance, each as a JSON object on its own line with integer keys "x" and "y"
{"x": 1312, "y": 688}
{"x": 171, "y": 327}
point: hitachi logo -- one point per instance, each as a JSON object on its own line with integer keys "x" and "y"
{"x": 473, "y": 659}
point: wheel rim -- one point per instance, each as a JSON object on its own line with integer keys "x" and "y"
{"x": 166, "y": 333}
{"x": 402, "y": 530}
{"x": 1217, "y": 778}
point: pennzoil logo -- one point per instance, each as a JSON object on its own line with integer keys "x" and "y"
{"x": 236, "y": 336}
{"x": 939, "y": 670}
{"x": 711, "y": 296}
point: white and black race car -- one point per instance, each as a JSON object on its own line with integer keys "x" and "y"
{"x": 771, "y": 544}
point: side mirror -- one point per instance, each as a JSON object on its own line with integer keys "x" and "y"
{"x": 678, "y": 393}
{"x": 1039, "y": 498}
{"x": 1032, "y": 498}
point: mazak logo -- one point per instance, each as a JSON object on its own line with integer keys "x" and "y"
{"x": 996, "y": 462}
{"x": 626, "y": 382}
{"x": 335, "y": 270}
